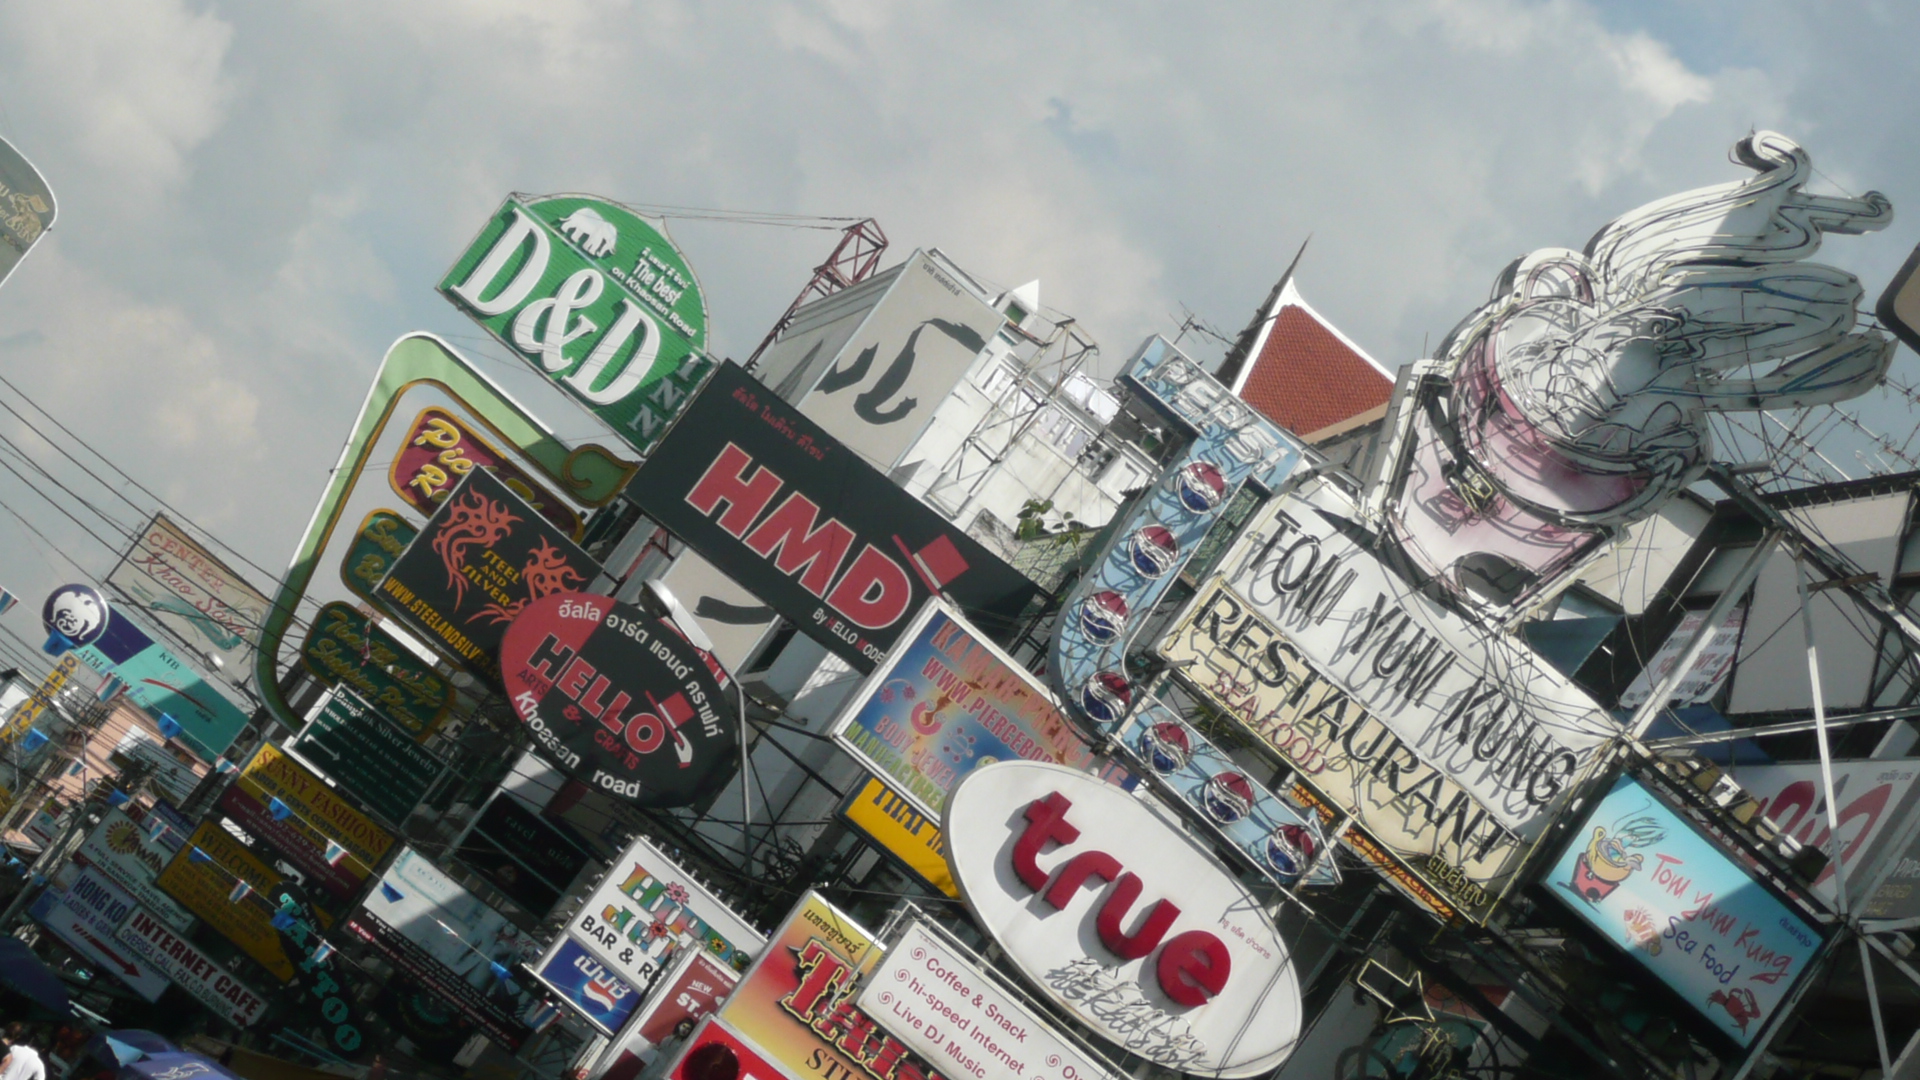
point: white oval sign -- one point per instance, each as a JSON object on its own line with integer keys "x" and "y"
{"x": 1109, "y": 908}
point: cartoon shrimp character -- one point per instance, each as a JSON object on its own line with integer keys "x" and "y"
{"x": 1609, "y": 858}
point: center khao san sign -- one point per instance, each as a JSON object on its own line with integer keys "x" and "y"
{"x": 617, "y": 699}
{"x": 1105, "y": 904}
{"x": 596, "y": 298}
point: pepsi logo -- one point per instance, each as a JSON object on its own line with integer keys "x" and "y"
{"x": 1103, "y": 616}
{"x": 1200, "y": 487}
{"x": 1166, "y": 748}
{"x": 1227, "y": 797}
{"x": 1153, "y": 550}
{"x": 1106, "y": 697}
{"x": 1289, "y": 850}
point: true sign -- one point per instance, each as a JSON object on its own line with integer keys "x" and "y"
{"x": 595, "y": 298}
{"x": 1103, "y": 902}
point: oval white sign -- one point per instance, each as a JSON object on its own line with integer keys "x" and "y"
{"x": 1111, "y": 910}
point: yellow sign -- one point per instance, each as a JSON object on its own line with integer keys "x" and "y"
{"x": 31, "y": 709}
{"x": 318, "y": 817}
{"x": 206, "y": 889}
{"x": 893, "y": 823}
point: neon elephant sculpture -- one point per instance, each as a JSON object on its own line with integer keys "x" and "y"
{"x": 1577, "y": 399}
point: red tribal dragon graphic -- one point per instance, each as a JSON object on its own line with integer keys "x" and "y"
{"x": 546, "y": 572}
{"x": 472, "y": 519}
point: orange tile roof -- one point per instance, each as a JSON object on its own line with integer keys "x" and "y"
{"x": 1305, "y": 377}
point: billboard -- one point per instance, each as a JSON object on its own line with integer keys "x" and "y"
{"x": 85, "y": 915}
{"x": 190, "y": 969}
{"x": 696, "y": 985}
{"x": 892, "y": 821}
{"x": 594, "y": 297}
{"x": 1318, "y": 650}
{"x": 618, "y": 700}
{"x": 521, "y": 854}
{"x": 647, "y": 910}
{"x": 483, "y": 556}
{"x": 185, "y": 588}
{"x": 308, "y": 820}
{"x": 945, "y": 702}
{"x": 345, "y": 648}
{"x": 784, "y": 509}
{"x": 438, "y": 449}
{"x": 881, "y": 389}
{"x": 604, "y": 999}
{"x": 418, "y": 372}
{"x": 119, "y": 848}
{"x": 160, "y": 683}
{"x": 1710, "y": 669}
{"x": 1874, "y": 799}
{"x": 445, "y": 937}
{"x": 1685, "y": 910}
{"x": 29, "y": 711}
{"x": 372, "y": 757}
{"x": 26, "y": 208}
{"x": 381, "y": 537}
{"x": 203, "y": 876}
{"x": 733, "y": 619}
{"x": 931, "y": 994}
{"x": 1178, "y": 962}
{"x": 798, "y": 997}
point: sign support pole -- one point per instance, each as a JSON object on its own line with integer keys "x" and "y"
{"x": 1800, "y": 575}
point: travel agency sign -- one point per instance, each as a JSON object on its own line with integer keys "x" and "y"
{"x": 1106, "y": 904}
{"x": 596, "y": 298}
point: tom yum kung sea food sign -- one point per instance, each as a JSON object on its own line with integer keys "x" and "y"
{"x": 1103, "y": 902}
{"x": 618, "y": 700}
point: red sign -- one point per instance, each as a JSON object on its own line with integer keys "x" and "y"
{"x": 617, "y": 699}
{"x": 440, "y": 450}
{"x": 716, "y": 1052}
{"x": 694, "y": 989}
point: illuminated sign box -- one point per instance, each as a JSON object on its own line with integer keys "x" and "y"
{"x": 1657, "y": 888}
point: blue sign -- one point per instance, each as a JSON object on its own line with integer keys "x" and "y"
{"x": 159, "y": 682}
{"x": 605, "y": 999}
{"x": 76, "y": 612}
{"x": 1684, "y": 909}
{"x": 1233, "y": 444}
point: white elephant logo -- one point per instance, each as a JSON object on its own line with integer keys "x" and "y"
{"x": 595, "y": 234}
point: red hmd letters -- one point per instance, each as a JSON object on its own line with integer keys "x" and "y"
{"x": 873, "y": 593}
{"x": 1194, "y": 966}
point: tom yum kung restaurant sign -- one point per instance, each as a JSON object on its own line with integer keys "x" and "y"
{"x": 1448, "y": 743}
{"x": 1103, "y": 902}
{"x": 777, "y": 504}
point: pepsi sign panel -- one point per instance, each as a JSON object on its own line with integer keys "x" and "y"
{"x": 800, "y": 520}
{"x": 617, "y": 699}
{"x": 1232, "y": 445}
{"x": 604, "y": 999}
{"x": 1280, "y": 837}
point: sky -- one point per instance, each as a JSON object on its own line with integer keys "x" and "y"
{"x": 256, "y": 199}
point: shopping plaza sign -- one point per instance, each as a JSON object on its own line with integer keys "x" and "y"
{"x": 594, "y": 297}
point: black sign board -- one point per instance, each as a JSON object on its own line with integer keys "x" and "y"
{"x": 619, "y": 700}
{"x": 784, "y": 509}
{"x": 483, "y": 556}
{"x": 368, "y": 754}
{"x": 525, "y": 856}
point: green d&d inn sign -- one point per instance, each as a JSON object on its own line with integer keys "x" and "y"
{"x": 594, "y": 297}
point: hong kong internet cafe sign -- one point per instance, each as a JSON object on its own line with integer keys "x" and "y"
{"x": 595, "y": 298}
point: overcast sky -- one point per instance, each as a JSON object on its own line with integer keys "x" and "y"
{"x": 256, "y": 199}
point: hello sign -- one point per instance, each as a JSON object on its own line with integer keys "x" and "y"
{"x": 1113, "y": 911}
